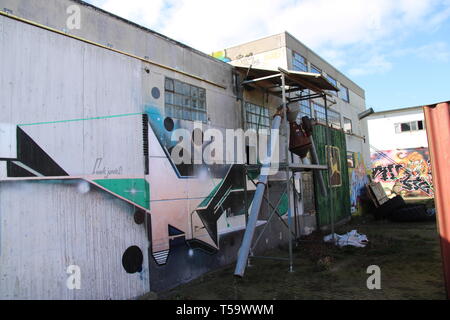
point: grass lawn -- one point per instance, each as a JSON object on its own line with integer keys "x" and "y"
{"x": 407, "y": 253}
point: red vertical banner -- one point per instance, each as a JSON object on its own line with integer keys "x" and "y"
{"x": 437, "y": 120}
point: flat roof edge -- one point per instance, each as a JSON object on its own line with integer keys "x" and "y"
{"x": 396, "y": 110}
{"x": 136, "y": 25}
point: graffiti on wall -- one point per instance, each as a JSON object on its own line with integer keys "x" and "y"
{"x": 187, "y": 198}
{"x": 406, "y": 172}
{"x": 189, "y": 204}
{"x": 358, "y": 180}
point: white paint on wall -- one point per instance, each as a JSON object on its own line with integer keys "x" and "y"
{"x": 382, "y": 130}
{"x": 8, "y": 144}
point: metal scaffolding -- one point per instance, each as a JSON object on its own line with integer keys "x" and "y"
{"x": 280, "y": 83}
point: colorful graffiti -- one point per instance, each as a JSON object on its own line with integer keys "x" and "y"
{"x": 201, "y": 197}
{"x": 358, "y": 180}
{"x": 406, "y": 172}
{"x": 221, "y": 55}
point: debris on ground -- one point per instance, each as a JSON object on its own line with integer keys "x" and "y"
{"x": 396, "y": 209}
{"x": 352, "y": 238}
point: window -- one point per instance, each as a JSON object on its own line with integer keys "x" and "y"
{"x": 314, "y": 69}
{"x": 334, "y": 118}
{"x": 409, "y": 126}
{"x": 343, "y": 93}
{"x": 332, "y": 80}
{"x": 350, "y": 159}
{"x": 185, "y": 101}
{"x": 334, "y": 83}
{"x": 304, "y": 106}
{"x": 257, "y": 116}
{"x": 305, "y": 109}
{"x": 319, "y": 112}
{"x": 348, "y": 125}
{"x": 299, "y": 62}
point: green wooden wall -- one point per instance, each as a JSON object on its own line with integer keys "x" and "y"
{"x": 340, "y": 196}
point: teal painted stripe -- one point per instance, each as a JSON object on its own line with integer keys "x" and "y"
{"x": 205, "y": 202}
{"x": 82, "y": 119}
{"x": 135, "y": 190}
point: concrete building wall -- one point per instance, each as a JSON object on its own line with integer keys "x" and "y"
{"x": 104, "y": 28}
{"x": 61, "y": 108}
{"x": 79, "y": 118}
{"x": 48, "y": 226}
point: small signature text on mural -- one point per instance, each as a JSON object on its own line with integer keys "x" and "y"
{"x": 105, "y": 171}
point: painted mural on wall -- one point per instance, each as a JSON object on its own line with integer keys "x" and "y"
{"x": 36, "y": 159}
{"x": 406, "y": 172}
{"x": 203, "y": 193}
{"x": 359, "y": 177}
{"x": 186, "y": 200}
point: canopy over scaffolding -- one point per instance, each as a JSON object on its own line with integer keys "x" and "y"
{"x": 271, "y": 81}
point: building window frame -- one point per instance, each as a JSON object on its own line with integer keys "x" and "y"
{"x": 184, "y": 101}
{"x": 334, "y": 117}
{"x": 409, "y": 126}
{"x": 344, "y": 93}
{"x": 319, "y": 112}
{"x": 257, "y": 117}
{"x": 314, "y": 69}
{"x": 348, "y": 125}
{"x": 299, "y": 62}
{"x": 333, "y": 81}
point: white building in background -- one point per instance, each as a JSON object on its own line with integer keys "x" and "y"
{"x": 398, "y": 129}
{"x": 399, "y": 151}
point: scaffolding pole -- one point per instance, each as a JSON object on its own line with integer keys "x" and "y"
{"x": 328, "y": 158}
{"x": 288, "y": 179}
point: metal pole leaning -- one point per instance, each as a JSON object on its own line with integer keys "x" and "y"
{"x": 328, "y": 158}
{"x": 256, "y": 203}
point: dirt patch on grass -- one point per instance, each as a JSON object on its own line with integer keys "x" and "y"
{"x": 407, "y": 253}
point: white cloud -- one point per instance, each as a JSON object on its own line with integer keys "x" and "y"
{"x": 145, "y": 12}
{"x": 376, "y": 64}
{"x": 432, "y": 52}
{"x": 352, "y": 34}
{"x": 436, "y": 52}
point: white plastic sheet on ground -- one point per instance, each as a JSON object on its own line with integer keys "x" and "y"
{"x": 352, "y": 238}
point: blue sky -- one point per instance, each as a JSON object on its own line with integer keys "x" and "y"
{"x": 397, "y": 50}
